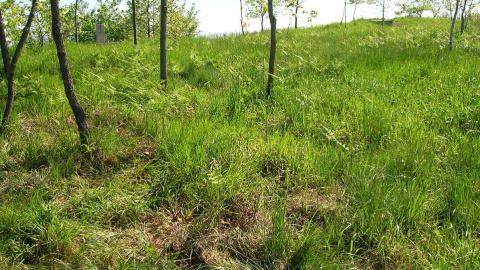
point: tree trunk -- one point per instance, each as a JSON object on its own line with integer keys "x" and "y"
{"x": 13, "y": 66}
{"x": 261, "y": 21}
{"x": 148, "y": 18}
{"x": 454, "y": 18}
{"x": 296, "y": 14}
{"x": 163, "y": 43}
{"x": 273, "y": 47}
{"x": 4, "y": 47}
{"x": 354, "y": 11}
{"x": 76, "y": 21}
{"x": 134, "y": 11}
{"x": 77, "y": 109}
{"x": 462, "y": 27}
{"x": 383, "y": 15}
{"x": 345, "y": 13}
{"x": 241, "y": 17}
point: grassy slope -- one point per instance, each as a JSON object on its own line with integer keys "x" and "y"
{"x": 365, "y": 156}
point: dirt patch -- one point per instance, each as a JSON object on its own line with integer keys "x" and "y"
{"x": 168, "y": 233}
{"x": 309, "y": 206}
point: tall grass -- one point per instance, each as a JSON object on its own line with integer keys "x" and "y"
{"x": 365, "y": 156}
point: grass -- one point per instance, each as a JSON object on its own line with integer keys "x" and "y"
{"x": 366, "y": 155}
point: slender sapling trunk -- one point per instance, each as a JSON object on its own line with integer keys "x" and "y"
{"x": 134, "y": 11}
{"x": 4, "y": 47}
{"x": 12, "y": 67}
{"x": 163, "y": 43}
{"x": 452, "y": 28}
{"x": 273, "y": 47}
{"x": 78, "y": 112}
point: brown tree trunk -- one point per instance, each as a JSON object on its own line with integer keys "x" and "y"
{"x": 296, "y": 14}
{"x": 134, "y": 11}
{"x": 462, "y": 27}
{"x": 78, "y": 112}
{"x": 163, "y": 43}
{"x": 273, "y": 47}
{"x": 148, "y": 18}
{"x": 4, "y": 47}
{"x": 13, "y": 66}
{"x": 452, "y": 28}
{"x": 76, "y": 21}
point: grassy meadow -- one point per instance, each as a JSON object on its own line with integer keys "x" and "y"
{"x": 366, "y": 156}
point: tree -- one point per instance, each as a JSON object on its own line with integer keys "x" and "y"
{"x": 77, "y": 109}
{"x": 181, "y": 21}
{"x": 383, "y": 4}
{"x": 273, "y": 47}
{"x": 296, "y": 6}
{"x": 241, "y": 17}
{"x": 76, "y": 21}
{"x": 414, "y": 7}
{"x": 257, "y": 9}
{"x": 163, "y": 43}
{"x": 4, "y": 47}
{"x": 12, "y": 64}
{"x": 359, "y": 2}
{"x": 134, "y": 18}
{"x": 452, "y": 28}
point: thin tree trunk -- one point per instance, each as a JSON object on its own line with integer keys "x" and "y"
{"x": 13, "y": 66}
{"x": 462, "y": 27}
{"x": 79, "y": 113}
{"x": 241, "y": 17}
{"x": 383, "y": 15}
{"x": 148, "y": 18}
{"x": 134, "y": 11}
{"x": 355, "y": 11}
{"x": 296, "y": 14}
{"x": 261, "y": 21}
{"x": 76, "y": 21}
{"x": 273, "y": 47}
{"x": 4, "y": 47}
{"x": 163, "y": 43}
{"x": 454, "y": 18}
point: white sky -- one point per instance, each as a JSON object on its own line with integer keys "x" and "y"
{"x": 223, "y": 16}
{"x": 220, "y": 16}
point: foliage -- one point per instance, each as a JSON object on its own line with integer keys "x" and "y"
{"x": 182, "y": 20}
{"x": 414, "y": 7}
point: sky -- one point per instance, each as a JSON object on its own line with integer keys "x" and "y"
{"x": 223, "y": 16}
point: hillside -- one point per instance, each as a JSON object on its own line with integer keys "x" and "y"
{"x": 366, "y": 156}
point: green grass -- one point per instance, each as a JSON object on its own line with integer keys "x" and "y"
{"x": 366, "y": 156}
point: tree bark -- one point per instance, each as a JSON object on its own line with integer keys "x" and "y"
{"x": 148, "y": 18}
{"x": 462, "y": 27}
{"x": 273, "y": 47}
{"x": 261, "y": 21}
{"x": 241, "y": 17}
{"x": 77, "y": 109}
{"x": 134, "y": 11}
{"x": 383, "y": 15}
{"x": 454, "y": 18}
{"x": 4, "y": 47}
{"x": 12, "y": 67}
{"x": 163, "y": 43}
{"x": 296, "y": 14}
{"x": 354, "y": 11}
{"x": 76, "y": 21}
